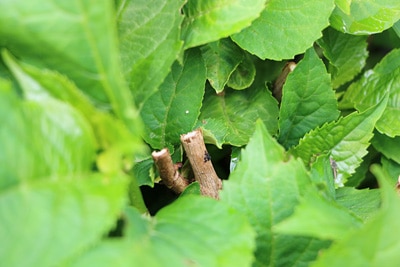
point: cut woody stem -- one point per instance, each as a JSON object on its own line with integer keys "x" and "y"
{"x": 202, "y": 167}
{"x": 168, "y": 171}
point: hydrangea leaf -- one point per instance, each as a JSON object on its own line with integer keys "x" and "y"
{"x": 285, "y": 28}
{"x": 149, "y": 34}
{"x": 221, "y": 59}
{"x": 266, "y": 186}
{"x": 366, "y": 16}
{"x": 346, "y": 53}
{"x": 209, "y": 20}
{"x": 229, "y": 118}
{"x": 244, "y": 74}
{"x": 346, "y": 140}
{"x": 372, "y": 88}
{"x": 308, "y": 100}
{"x": 374, "y": 244}
{"x": 388, "y": 146}
{"x": 174, "y": 108}
{"x": 344, "y": 5}
{"x": 191, "y": 231}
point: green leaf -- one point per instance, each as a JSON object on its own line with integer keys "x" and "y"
{"x": 396, "y": 28}
{"x": 364, "y": 203}
{"x": 285, "y": 28}
{"x": 266, "y": 187}
{"x": 43, "y": 138}
{"x": 366, "y": 16}
{"x": 244, "y": 74}
{"x": 191, "y": 189}
{"x": 308, "y": 100}
{"x": 320, "y": 218}
{"x": 372, "y": 88}
{"x": 150, "y": 42}
{"x": 346, "y": 140}
{"x": 113, "y": 137}
{"x": 207, "y": 20}
{"x": 388, "y": 146}
{"x": 74, "y": 212}
{"x": 376, "y": 243}
{"x": 193, "y": 230}
{"x": 392, "y": 168}
{"x": 221, "y": 59}
{"x": 343, "y": 5}
{"x": 346, "y": 53}
{"x": 174, "y": 108}
{"x": 229, "y": 118}
{"x": 322, "y": 176}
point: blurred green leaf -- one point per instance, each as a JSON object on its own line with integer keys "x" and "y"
{"x": 344, "y": 5}
{"x": 193, "y": 230}
{"x": 285, "y": 28}
{"x": 149, "y": 33}
{"x": 229, "y": 118}
{"x": 41, "y": 138}
{"x": 346, "y": 53}
{"x": 346, "y": 140}
{"x": 221, "y": 59}
{"x": 174, "y": 108}
{"x": 207, "y": 20}
{"x": 366, "y": 16}
{"x": 376, "y": 243}
{"x": 373, "y": 86}
{"x": 308, "y": 100}
{"x": 266, "y": 186}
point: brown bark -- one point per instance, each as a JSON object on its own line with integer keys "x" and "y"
{"x": 200, "y": 161}
{"x": 280, "y": 81}
{"x": 168, "y": 171}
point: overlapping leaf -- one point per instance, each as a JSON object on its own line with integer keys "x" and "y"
{"x": 372, "y": 88}
{"x": 366, "y": 16}
{"x": 308, "y": 100}
{"x": 388, "y": 146}
{"x": 150, "y": 42}
{"x": 376, "y": 243}
{"x": 208, "y": 20}
{"x": 174, "y": 108}
{"x": 221, "y": 59}
{"x": 192, "y": 231}
{"x": 244, "y": 74}
{"x": 346, "y": 53}
{"x": 266, "y": 187}
{"x": 229, "y": 118}
{"x": 78, "y": 39}
{"x": 285, "y": 28}
{"x": 346, "y": 140}
{"x": 46, "y": 193}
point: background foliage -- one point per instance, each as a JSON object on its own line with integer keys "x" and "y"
{"x": 89, "y": 88}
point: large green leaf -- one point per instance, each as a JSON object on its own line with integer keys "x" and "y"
{"x": 346, "y": 53}
{"x": 229, "y": 118}
{"x": 317, "y": 217}
{"x": 46, "y": 194}
{"x": 221, "y": 59}
{"x": 48, "y": 221}
{"x": 266, "y": 186}
{"x": 209, "y": 20}
{"x": 346, "y": 140}
{"x": 285, "y": 28}
{"x": 366, "y": 16}
{"x": 41, "y": 138}
{"x": 78, "y": 39}
{"x": 193, "y": 231}
{"x": 372, "y": 88}
{"x": 377, "y": 242}
{"x": 308, "y": 100}
{"x": 150, "y": 42}
{"x": 174, "y": 108}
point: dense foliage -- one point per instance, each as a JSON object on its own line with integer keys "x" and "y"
{"x": 89, "y": 88}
